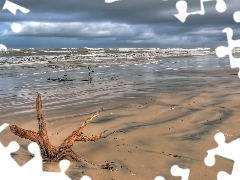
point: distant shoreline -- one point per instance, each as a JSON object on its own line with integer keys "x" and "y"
{"x": 100, "y": 51}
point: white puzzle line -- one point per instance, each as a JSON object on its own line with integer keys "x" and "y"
{"x": 182, "y": 6}
{"x": 236, "y": 16}
{"x": 159, "y": 178}
{"x": 227, "y": 150}
{"x": 85, "y": 177}
{"x": 3, "y": 126}
{"x": 177, "y": 171}
{"x": 12, "y": 7}
{"x": 222, "y": 51}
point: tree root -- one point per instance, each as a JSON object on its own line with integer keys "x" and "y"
{"x": 48, "y": 151}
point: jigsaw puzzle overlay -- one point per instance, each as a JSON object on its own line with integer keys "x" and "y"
{"x": 12, "y": 7}
{"x": 182, "y": 9}
{"x": 227, "y": 150}
{"x": 221, "y": 51}
{"x": 177, "y": 171}
{"x": 33, "y": 169}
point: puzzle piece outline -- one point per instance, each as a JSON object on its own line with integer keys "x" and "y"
{"x": 226, "y": 150}
{"x": 182, "y": 6}
{"x": 33, "y": 169}
{"x": 177, "y": 171}
{"x": 13, "y": 8}
{"x": 236, "y": 16}
{"x": 222, "y": 51}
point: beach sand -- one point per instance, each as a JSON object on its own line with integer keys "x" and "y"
{"x": 153, "y": 131}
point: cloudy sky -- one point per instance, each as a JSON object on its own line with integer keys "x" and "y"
{"x": 126, "y": 23}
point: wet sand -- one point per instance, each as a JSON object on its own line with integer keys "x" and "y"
{"x": 153, "y": 131}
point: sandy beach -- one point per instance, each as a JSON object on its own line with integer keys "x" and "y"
{"x": 153, "y": 130}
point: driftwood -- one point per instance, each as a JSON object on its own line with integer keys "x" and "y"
{"x": 65, "y": 78}
{"x": 48, "y": 151}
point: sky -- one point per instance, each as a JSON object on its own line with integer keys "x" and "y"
{"x": 125, "y": 23}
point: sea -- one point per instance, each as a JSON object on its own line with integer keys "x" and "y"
{"x": 67, "y": 80}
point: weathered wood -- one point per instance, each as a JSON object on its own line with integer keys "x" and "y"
{"x": 48, "y": 151}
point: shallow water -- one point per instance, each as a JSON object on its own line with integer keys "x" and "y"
{"x": 19, "y": 84}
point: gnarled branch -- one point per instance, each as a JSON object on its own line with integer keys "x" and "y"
{"x": 22, "y": 133}
{"x": 48, "y": 151}
{"x": 93, "y": 137}
{"x": 68, "y": 142}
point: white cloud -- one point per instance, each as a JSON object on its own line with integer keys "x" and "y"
{"x": 111, "y": 1}
{"x": 135, "y": 41}
{"x": 77, "y": 29}
{"x": 204, "y": 31}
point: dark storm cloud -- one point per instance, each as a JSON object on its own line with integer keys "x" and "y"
{"x": 125, "y": 23}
